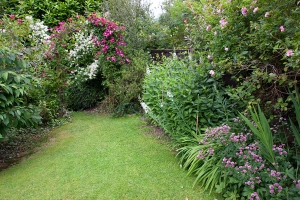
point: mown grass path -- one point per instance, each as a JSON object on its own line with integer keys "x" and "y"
{"x": 98, "y": 157}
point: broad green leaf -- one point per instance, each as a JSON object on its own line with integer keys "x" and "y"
{"x": 5, "y": 76}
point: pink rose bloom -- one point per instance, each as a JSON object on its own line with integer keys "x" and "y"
{"x": 244, "y": 11}
{"x": 211, "y": 72}
{"x": 12, "y": 16}
{"x": 226, "y": 48}
{"x": 255, "y": 10}
{"x": 289, "y": 52}
{"x": 223, "y": 23}
{"x": 281, "y": 28}
{"x": 208, "y": 27}
{"x": 267, "y": 14}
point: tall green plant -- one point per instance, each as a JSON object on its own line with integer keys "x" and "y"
{"x": 183, "y": 98}
{"x": 14, "y": 88}
{"x": 262, "y": 131}
{"x": 295, "y": 129}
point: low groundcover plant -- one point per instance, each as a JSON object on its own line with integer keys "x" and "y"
{"x": 244, "y": 171}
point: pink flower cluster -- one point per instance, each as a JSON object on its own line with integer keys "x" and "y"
{"x": 223, "y": 23}
{"x": 277, "y": 175}
{"x": 254, "y": 195}
{"x": 297, "y": 183}
{"x": 252, "y": 182}
{"x": 239, "y": 137}
{"x": 228, "y": 162}
{"x": 217, "y": 133}
{"x": 280, "y": 149}
{"x": 274, "y": 187}
{"x": 109, "y": 39}
{"x": 201, "y": 155}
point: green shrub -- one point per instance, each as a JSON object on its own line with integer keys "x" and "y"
{"x": 128, "y": 87}
{"x": 182, "y": 99}
{"x": 14, "y": 88}
{"x": 80, "y": 96}
{"x": 51, "y": 11}
{"x": 255, "y": 41}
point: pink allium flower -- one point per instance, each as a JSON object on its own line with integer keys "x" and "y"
{"x": 226, "y": 48}
{"x": 223, "y": 23}
{"x": 208, "y": 27}
{"x": 244, "y": 11}
{"x": 255, "y": 10}
{"x": 289, "y": 52}
{"x": 281, "y": 28}
{"x": 267, "y": 14}
{"x": 211, "y": 72}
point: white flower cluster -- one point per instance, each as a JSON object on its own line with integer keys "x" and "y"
{"x": 39, "y": 30}
{"x": 148, "y": 72}
{"x": 84, "y": 44}
{"x": 89, "y": 72}
{"x": 145, "y": 107}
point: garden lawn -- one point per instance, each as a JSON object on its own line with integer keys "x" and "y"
{"x": 98, "y": 157}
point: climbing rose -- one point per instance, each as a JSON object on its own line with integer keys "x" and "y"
{"x": 289, "y": 52}
{"x": 281, "y": 28}
{"x": 223, "y": 23}
{"x": 208, "y": 27}
{"x": 244, "y": 11}
{"x": 267, "y": 14}
{"x": 255, "y": 9}
{"x": 211, "y": 72}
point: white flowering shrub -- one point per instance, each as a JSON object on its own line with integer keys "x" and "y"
{"x": 39, "y": 31}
